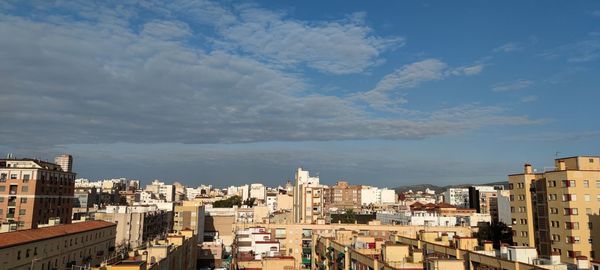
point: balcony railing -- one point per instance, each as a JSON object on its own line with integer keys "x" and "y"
{"x": 9, "y": 215}
{"x": 12, "y": 203}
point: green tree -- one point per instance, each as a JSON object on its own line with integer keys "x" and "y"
{"x": 495, "y": 232}
{"x": 228, "y": 203}
{"x": 349, "y": 216}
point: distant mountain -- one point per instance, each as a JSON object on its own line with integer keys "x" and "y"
{"x": 439, "y": 189}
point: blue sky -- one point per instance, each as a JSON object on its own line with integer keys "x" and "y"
{"x": 387, "y": 93}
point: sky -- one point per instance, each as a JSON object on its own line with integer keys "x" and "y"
{"x": 383, "y": 93}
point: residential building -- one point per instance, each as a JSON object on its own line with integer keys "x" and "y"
{"x": 500, "y": 207}
{"x": 58, "y": 247}
{"x": 258, "y": 192}
{"x": 174, "y": 251}
{"x": 342, "y": 195}
{"x": 166, "y": 192}
{"x": 136, "y": 225}
{"x": 376, "y": 196}
{"x": 479, "y": 197}
{"x": 308, "y": 198}
{"x": 551, "y": 210}
{"x": 33, "y": 192}
{"x": 190, "y": 215}
{"x": 458, "y": 197}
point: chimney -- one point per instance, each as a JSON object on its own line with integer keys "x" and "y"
{"x": 555, "y": 258}
{"x": 528, "y": 169}
{"x": 561, "y": 165}
{"x": 488, "y": 246}
{"x": 583, "y": 263}
{"x": 445, "y": 237}
{"x": 504, "y": 251}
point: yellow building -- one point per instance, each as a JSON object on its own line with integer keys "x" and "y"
{"x": 556, "y": 221}
{"x": 58, "y": 247}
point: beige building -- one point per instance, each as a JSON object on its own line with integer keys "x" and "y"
{"x": 33, "y": 192}
{"x": 308, "y": 197}
{"x": 190, "y": 215}
{"x": 136, "y": 225}
{"x": 556, "y": 221}
{"x": 58, "y": 247}
{"x": 298, "y": 240}
{"x": 342, "y": 195}
{"x": 175, "y": 251}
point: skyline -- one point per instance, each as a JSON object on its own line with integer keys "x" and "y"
{"x": 206, "y": 92}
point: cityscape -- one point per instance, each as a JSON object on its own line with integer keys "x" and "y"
{"x": 292, "y": 135}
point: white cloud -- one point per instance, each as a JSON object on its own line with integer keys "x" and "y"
{"x": 527, "y": 99}
{"x": 410, "y": 76}
{"x": 586, "y": 50}
{"x": 509, "y": 47}
{"x": 337, "y": 47}
{"x": 512, "y": 86}
{"x": 99, "y": 80}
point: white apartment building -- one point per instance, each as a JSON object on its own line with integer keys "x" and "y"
{"x": 308, "y": 197}
{"x": 376, "y": 196}
{"x": 166, "y": 192}
{"x": 458, "y": 197}
{"x": 258, "y": 192}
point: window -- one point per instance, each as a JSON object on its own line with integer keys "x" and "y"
{"x": 524, "y": 234}
{"x": 3, "y": 177}
{"x": 23, "y": 200}
{"x": 1, "y": 199}
{"x": 597, "y": 183}
{"x": 523, "y": 221}
{"x": 24, "y": 189}
{"x": 25, "y": 178}
{"x": 556, "y": 238}
{"x": 587, "y": 197}
{"x": 2, "y": 188}
{"x": 512, "y": 209}
{"x": 572, "y": 225}
{"x": 13, "y": 176}
{"x": 586, "y": 183}
{"x": 588, "y": 211}
{"x": 21, "y": 212}
{"x": 573, "y": 254}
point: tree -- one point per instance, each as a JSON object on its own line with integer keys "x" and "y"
{"x": 249, "y": 202}
{"x": 495, "y": 232}
{"x": 229, "y": 202}
{"x": 348, "y": 217}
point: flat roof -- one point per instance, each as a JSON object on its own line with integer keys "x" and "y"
{"x": 22, "y": 237}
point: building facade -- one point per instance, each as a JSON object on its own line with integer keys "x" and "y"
{"x": 33, "y": 192}
{"x": 551, "y": 210}
{"x": 58, "y": 247}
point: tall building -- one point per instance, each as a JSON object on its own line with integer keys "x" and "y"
{"x": 480, "y": 197}
{"x": 308, "y": 197}
{"x": 33, "y": 192}
{"x": 551, "y": 209}
{"x": 166, "y": 192}
{"x": 65, "y": 162}
{"x": 190, "y": 215}
{"x": 458, "y": 197}
{"x": 136, "y": 225}
{"x": 377, "y": 196}
{"x": 342, "y": 195}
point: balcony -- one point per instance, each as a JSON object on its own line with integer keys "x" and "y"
{"x": 10, "y": 215}
{"x": 13, "y": 203}
{"x": 306, "y": 260}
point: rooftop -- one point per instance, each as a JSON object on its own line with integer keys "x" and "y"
{"x": 16, "y": 238}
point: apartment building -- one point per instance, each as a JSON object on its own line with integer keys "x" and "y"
{"x": 190, "y": 215}
{"x": 298, "y": 240}
{"x": 342, "y": 195}
{"x": 377, "y": 196}
{"x": 174, "y": 251}
{"x": 136, "y": 225}
{"x": 308, "y": 198}
{"x": 480, "y": 197}
{"x": 458, "y": 197}
{"x": 32, "y": 192}
{"x": 166, "y": 192}
{"x": 551, "y": 210}
{"x": 58, "y": 247}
